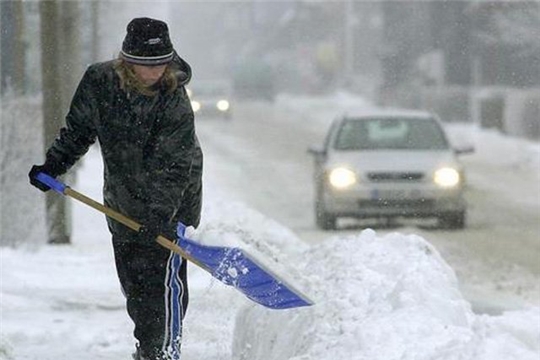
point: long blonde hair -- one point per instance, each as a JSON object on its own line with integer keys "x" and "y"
{"x": 129, "y": 80}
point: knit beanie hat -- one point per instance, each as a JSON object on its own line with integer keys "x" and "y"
{"x": 147, "y": 43}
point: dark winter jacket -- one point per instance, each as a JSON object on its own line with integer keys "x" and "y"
{"x": 152, "y": 158}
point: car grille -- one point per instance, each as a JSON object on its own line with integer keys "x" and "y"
{"x": 398, "y": 203}
{"x": 395, "y": 176}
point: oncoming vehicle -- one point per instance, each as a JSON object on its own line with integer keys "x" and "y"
{"x": 211, "y": 98}
{"x": 388, "y": 164}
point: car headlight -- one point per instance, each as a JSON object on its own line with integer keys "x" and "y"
{"x": 447, "y": 177}
{"x": 341, "y": 178}
{"x": 222, "y": 105}
{"x": 196, "y": 106}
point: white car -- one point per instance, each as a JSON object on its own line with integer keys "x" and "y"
{"x": 211, "y": 98}
{"x": 388, "y": 164}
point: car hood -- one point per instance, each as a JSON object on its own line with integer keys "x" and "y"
{"x": 392, "y": 161}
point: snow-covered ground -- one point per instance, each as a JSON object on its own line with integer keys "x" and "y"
{"x": 376, "y": 296}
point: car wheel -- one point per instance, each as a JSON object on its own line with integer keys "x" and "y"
{"x": 324, "y": 220}
{"x": 454, "y": 220}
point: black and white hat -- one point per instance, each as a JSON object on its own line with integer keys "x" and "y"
{"x": 147, "y": 43}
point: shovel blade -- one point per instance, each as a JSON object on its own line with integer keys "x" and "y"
{"x": 235, "y": 267}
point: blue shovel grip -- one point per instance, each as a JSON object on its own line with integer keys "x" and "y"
{"x": 51, "y": 182}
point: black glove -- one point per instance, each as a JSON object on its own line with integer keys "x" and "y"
{"x": 148, "y": 232}
{"x": 45, "y": 168}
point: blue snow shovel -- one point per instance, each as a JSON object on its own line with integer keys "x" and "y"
{"x": 232, "y": 266}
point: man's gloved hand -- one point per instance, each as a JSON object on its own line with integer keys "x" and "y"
{"x": 45, "y": 168}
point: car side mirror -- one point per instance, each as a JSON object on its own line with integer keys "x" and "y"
{"x": 462, "y": 150}
{"x": 317, "y": 151}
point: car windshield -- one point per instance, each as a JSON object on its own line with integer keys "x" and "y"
{"x": 390, "y": 133}
{"x": 210, "y": 89}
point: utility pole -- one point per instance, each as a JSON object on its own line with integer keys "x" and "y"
{"x": 52, "y": 112}
{"x": 348, "y": 48}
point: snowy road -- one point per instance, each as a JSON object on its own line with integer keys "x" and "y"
{"x": 497, "y": 258}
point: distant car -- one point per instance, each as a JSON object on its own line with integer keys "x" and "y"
{"x": 211, "y": 98}
{"x": 388, "y": 164}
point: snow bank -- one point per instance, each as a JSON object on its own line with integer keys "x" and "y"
{"x": 230, "y": 223}
{"x": 384, "y": 298}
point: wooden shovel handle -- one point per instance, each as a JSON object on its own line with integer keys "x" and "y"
{"x": 130, "y": 223}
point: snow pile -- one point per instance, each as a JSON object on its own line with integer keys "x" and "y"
{"x": 511, "y": 152}
{"x": 385, "y": 298}
{"x": 233, "y": 224}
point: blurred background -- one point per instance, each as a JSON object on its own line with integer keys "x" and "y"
{"x": 466, "y": 60}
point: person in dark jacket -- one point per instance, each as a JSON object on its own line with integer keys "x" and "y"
{"x": 137, "y": 108}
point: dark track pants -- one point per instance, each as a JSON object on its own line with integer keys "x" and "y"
{"x": 154, "y": 281}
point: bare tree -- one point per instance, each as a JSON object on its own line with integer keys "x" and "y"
{"x": 52, "y": 111}
{"x": 70, "y": 50}
{"x": 12, "y": 57}
{"x": 94, "y": 30}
